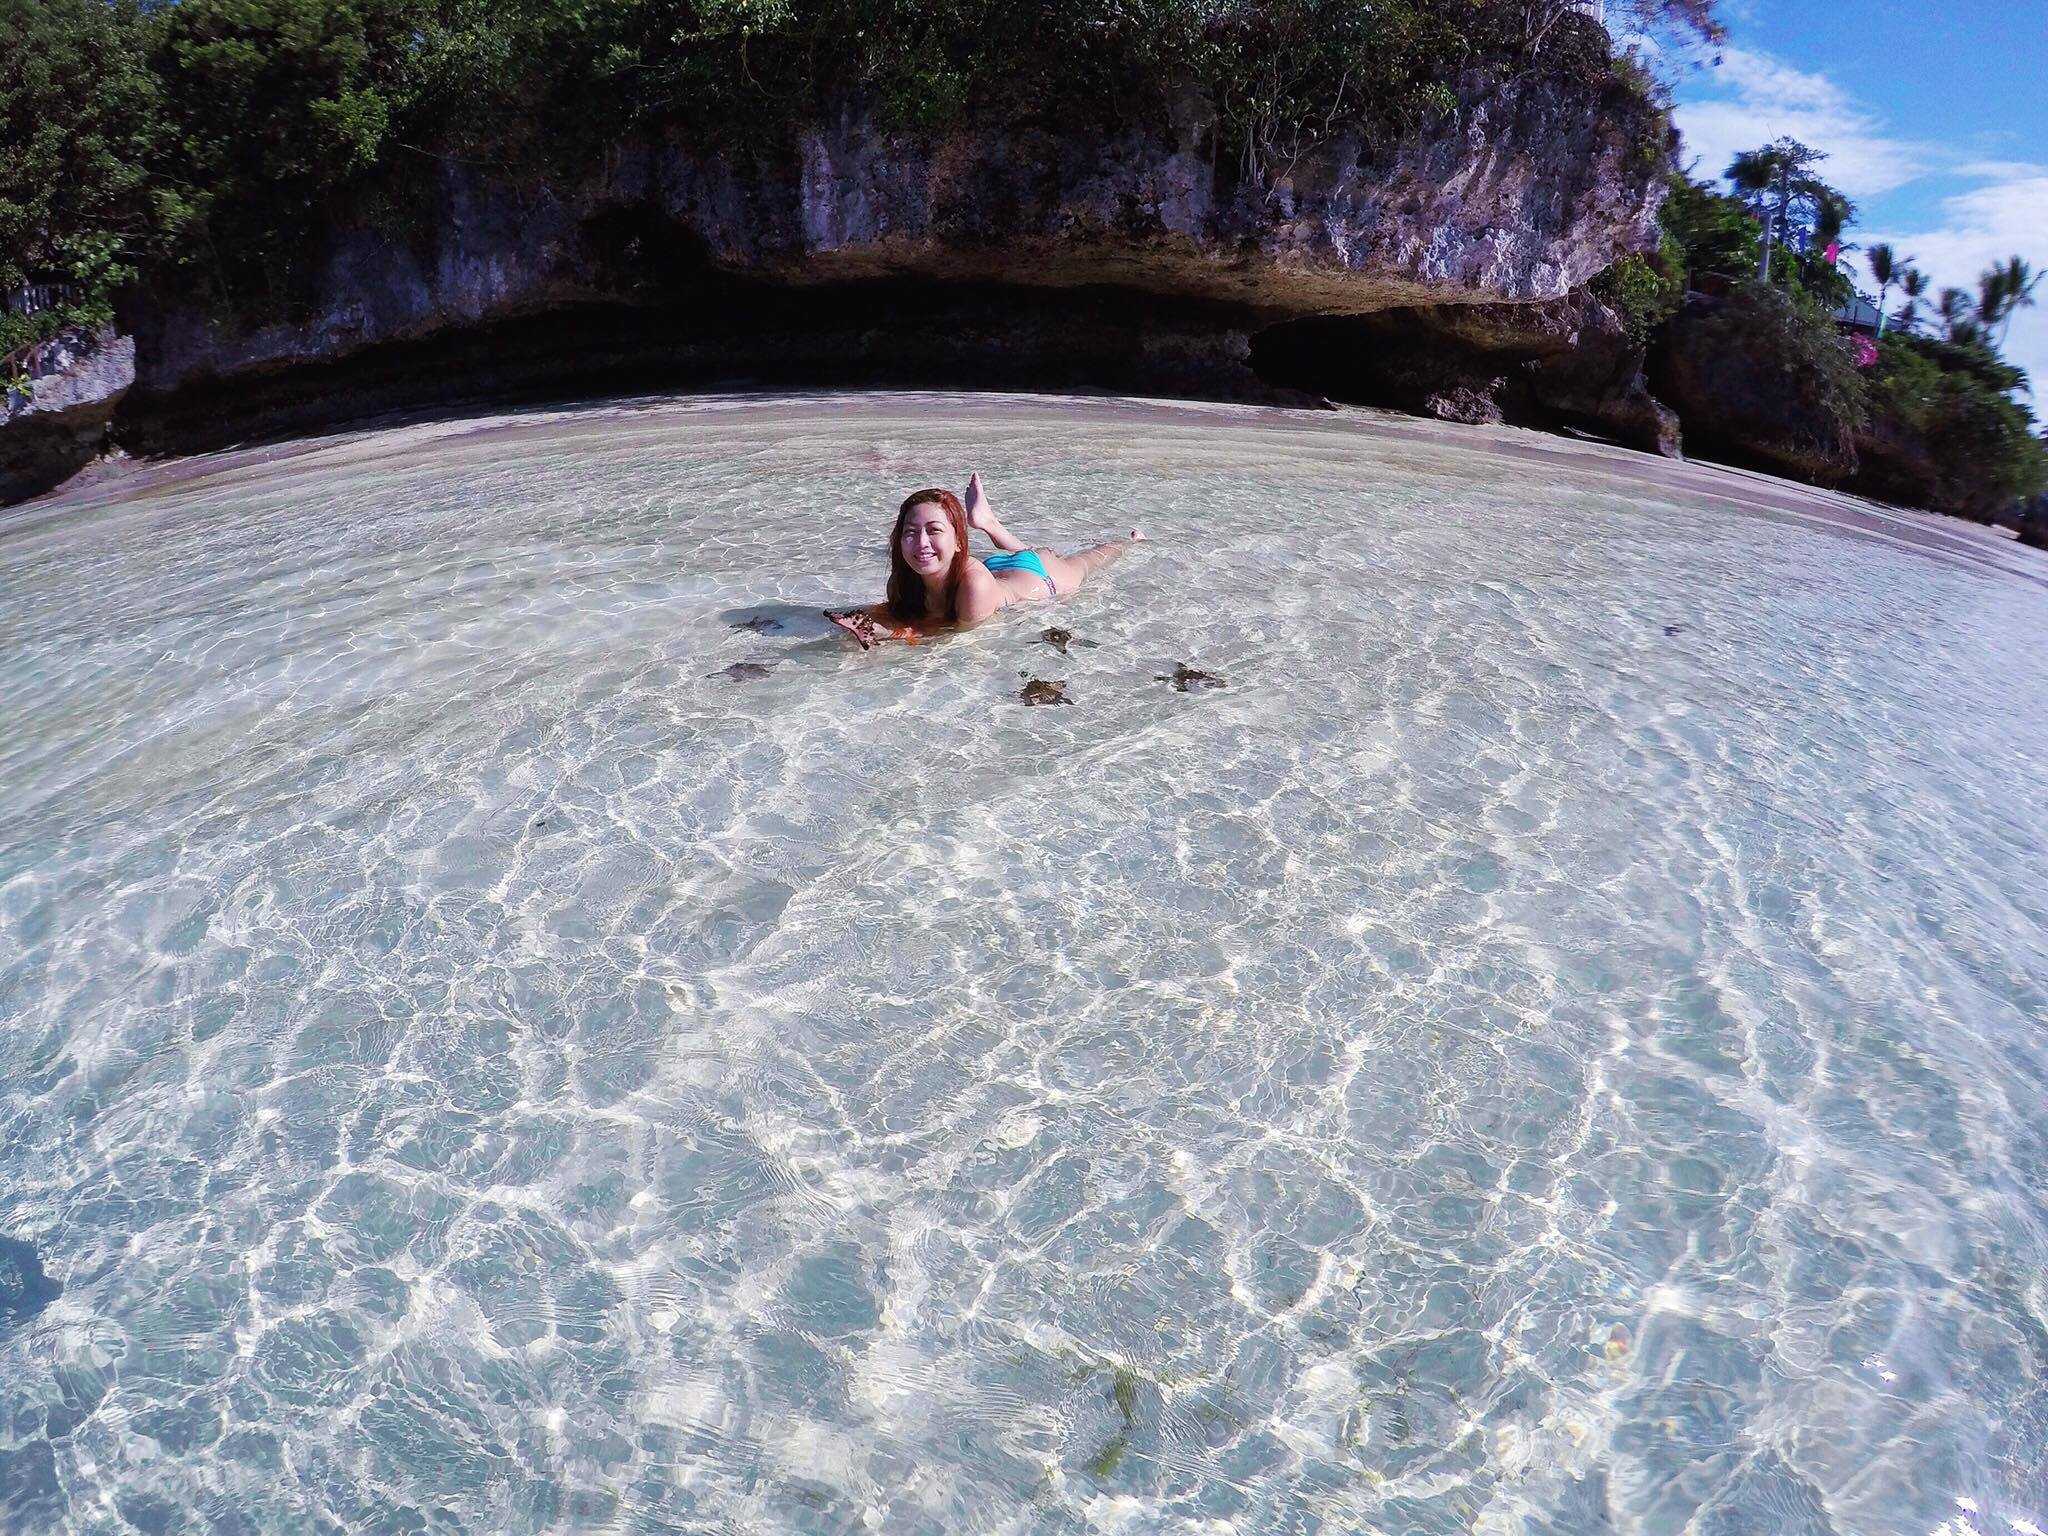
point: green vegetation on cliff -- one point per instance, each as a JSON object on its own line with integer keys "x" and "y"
{"x": 75, "y": 203}
{"x": 1944, "y": 430}
{"x": 218, "y": 132}
{"x": 1759, "y": 368}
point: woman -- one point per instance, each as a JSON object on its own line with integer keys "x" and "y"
{"x": 934, "y": 582}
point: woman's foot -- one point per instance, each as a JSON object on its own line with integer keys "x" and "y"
{"x": 979, "y": 513}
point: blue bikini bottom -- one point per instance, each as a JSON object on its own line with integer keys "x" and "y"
{"x": 1022, "y": 560}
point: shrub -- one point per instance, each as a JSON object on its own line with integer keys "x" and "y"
{"x": 1645, "y": 289}
{"x": 1946, "y": 433}
{"x": 1787, "y": 332}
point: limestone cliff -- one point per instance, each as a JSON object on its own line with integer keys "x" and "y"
{"x": 1569, "y": 362}
{"x": 1520, "y": 195}
{"x": 993, "y": 255}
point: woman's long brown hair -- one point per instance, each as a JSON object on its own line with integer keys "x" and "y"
{"x": 906, "y": 587}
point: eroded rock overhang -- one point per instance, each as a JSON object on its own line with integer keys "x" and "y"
{"x": 1013, "y": 257}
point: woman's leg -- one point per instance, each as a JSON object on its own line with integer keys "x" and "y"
{"x": 1069, "y": 571}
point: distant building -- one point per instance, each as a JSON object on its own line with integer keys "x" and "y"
{"x": 1858, "y": 317}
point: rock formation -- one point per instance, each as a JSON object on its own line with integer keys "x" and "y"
{"x": 1008, "y": 255}
{"x": 56, "y": 426}
{"x": 1566, "y": 363}
{"x": 2034, "y": 523}
{"x": 996, "y": 256}
{"x": 1740, "y": 408}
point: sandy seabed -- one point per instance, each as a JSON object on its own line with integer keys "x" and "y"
{"x": 508, "y": 1022}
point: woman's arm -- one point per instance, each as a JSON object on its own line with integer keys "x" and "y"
{"x": 983, "y": 516}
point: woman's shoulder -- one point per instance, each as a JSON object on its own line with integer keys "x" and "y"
{"x": 980, "y": 593}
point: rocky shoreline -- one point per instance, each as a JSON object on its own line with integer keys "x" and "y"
{"x": 1011, "y": 258}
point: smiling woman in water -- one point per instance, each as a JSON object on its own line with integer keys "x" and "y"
{"x": 935, "y": 583}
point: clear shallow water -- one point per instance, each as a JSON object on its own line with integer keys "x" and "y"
{"x": 1554, "y": 1045}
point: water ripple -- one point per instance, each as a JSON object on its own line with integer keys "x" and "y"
{"x": 1551, "y": 1045}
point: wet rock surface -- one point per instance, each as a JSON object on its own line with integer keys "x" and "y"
{"x": 746, "y": 671}
{"x": 1059, "y": 639}
{"x": 59, "y": 425}
{"x": 1566, "y": 363}
{"x": 1040, "y": 691}
{"x": 728, "y": 332}
{"x": 2034, "y": 523}
{"x": 1187, "y": 679}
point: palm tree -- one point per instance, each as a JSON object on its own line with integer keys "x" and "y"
{"x": 1954, "y": 309}
{"x": 1751, "y": 173}
{"x": 1886, "y": 266}
{"x": 1997, "y": 295}
{"x": 1913, "y": 283}
{"x": 1831, "y": 215}
{"x": 2019, "y": 280}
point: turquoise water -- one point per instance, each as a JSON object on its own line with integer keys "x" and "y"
{"x": 490, "y": 1041}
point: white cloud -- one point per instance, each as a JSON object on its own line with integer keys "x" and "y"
{"x": 2006, "y": 214}
{"x": 1750, "y": 98}
{"x": 2002, "y": 209}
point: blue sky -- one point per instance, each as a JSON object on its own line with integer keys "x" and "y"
{"x": 1934, "y": 117}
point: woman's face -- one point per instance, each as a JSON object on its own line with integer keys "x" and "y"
{"x": 927, "y": 540}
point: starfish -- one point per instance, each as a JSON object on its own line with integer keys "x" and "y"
{"x": 1060, "y": 639}
{"x": 1186, "y": 679}
{"x": 859, "y": 623}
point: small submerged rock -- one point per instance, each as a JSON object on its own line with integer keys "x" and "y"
{"x": 24, "y": 1289}
{"x": 1674, "y": 629}
{"x": 745, "y": 671}
{"x": 760, "y": 624}
{"x": 1186, "y": 678}
{"x": 1039, "y": 691}
{"x": 1060, "y": 639}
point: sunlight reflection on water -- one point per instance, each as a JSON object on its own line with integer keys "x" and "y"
{"x": 510, "y": 1024}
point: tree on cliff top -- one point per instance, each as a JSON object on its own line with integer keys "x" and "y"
{"x": 1952, "y": 309}
{"x": 1713, "y": 229}
{"x": 1957, "y": 440}
{"x": 219, "y": 138}
{"x": 1779, "y": 181}
{"x": 73, "y": 161}
{"x": 1914, "y": 284}
{"x": 322, "y": 78}
{"x": 2003, "y": 290}
{"x": 1688, "y": 21}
